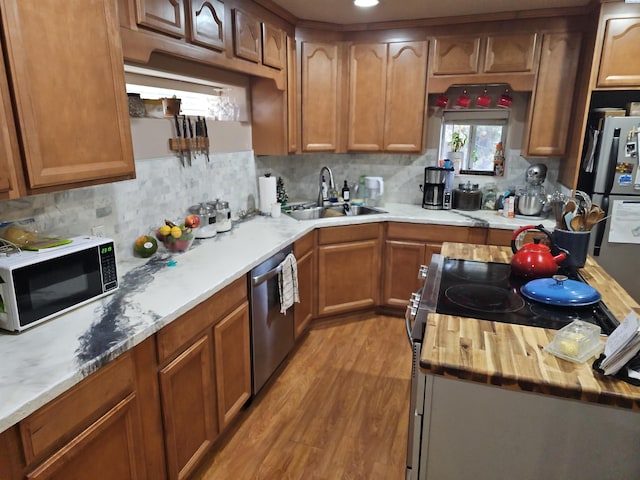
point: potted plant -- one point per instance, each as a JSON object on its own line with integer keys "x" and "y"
{"x": 457, "y": 143}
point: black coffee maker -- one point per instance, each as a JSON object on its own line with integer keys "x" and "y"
{"x": 433, "y": 190}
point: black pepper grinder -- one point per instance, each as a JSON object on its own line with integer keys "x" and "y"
{"x": 346, "y": 193}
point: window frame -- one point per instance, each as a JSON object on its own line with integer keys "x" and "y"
{"x": 472, "y": 118}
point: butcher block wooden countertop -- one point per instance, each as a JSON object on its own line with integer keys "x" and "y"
{"x": 512, "y": 356}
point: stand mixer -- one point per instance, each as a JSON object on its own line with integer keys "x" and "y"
{"x": 530, "y": 201}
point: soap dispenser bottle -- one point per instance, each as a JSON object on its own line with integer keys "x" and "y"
{"x": 346, "y": 193}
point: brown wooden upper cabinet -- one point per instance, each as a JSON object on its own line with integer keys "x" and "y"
{"x": 510, "y": 53}
{"x": 164, "y": 16}
{"x": 619, "y": 65}
{"x": 246, "y": 36}
{"x": 71, "y": 117}
{"x": 320, "y": 92}
{"x": 207, "y": 24}
{"x": 274, "y": 46}
{"x": 457, "y": 55}
{"x": 386, "y": 96}
{"x": 470, "y": 54}
{"x": 484, "y": 58}
{"x": 552, "y": 100}
{"x": 9, "y": 153}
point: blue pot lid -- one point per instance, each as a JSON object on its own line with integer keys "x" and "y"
{"x": 560, "y": 291}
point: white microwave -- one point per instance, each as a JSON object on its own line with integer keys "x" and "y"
{"x": 38, "y": 286}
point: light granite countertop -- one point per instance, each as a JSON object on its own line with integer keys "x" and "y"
{"x": 43, "y": 362}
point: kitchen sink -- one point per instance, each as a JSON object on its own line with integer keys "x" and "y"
{"x": 312, "y": 211}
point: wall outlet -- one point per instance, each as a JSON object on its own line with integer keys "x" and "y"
{"x": 97, "y": 231}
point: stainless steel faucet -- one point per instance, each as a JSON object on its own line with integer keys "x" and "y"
{"x": 332, "y": 185}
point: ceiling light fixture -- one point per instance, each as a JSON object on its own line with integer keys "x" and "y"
{"x": 365, "y": 3}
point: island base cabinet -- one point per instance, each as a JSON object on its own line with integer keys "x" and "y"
{"x": 479, "y": 431}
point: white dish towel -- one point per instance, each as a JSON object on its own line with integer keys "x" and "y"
{"x": 288, "y": 283}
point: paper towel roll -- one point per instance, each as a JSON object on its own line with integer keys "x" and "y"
{"x": 268, "y": 196}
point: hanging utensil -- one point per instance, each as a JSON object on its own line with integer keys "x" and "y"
{"x": 175, "y": 119}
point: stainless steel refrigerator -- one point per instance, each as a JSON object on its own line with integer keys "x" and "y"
{"x": 610, "y": 173}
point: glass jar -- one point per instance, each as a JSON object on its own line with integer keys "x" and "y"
{"x": 489, "y": 197}
{"x": 223, "y": 216}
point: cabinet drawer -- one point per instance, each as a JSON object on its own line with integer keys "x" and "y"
{"x": 178, "y": 333}
{"x": 429, "y": 233}
{"x": 348, "y": 233}
{"x": 72, "y": 411}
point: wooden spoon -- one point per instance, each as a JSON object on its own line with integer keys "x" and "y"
{"x": 577, "y": 223}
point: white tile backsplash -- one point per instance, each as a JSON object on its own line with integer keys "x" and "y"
{"x": 165, "y": 189}
{"x": 162, "y": 189}
{"x": 403, "y": 174}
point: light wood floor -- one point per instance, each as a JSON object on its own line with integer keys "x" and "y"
{"x": 338, "y": 410}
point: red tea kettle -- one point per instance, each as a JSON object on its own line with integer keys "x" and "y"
{"x": 534, "y": 260}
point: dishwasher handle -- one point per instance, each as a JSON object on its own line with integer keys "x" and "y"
{"x": 258, "y": 279}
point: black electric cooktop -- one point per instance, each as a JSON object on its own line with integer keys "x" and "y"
{"x": 488, "y": 291}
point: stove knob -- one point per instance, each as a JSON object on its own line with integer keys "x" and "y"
{"x": 422, "y": 273}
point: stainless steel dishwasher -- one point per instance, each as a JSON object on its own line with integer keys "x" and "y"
{"x": 271, "y": 331}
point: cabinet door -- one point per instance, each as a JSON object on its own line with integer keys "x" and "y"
{"x": 68, "y": 86}
{"x": 405, "y": 97}
{"x": 109, "y": 449}
{"x": 619, "y": 65}
{"x": 246, "y": 36}
{"x": 456, "y": 55}
{"x": 510, "y": 53}
{"x": 292, "y": 95}
{"x": 348, "y": 276}
{"x": 10, "y": 166}
{"x": 273, "y": 46}
{"x": 303, "y": 312}
{"x": 320, "y": 90}
{"x": 402, "y": 260}
{"x": 207, "y": 24}
{"x": 164, "y": 16}
{"x": 233, "y": 363}
{"x": 367, "y": 87}
{"x": 551, "y": 102}
{"x": 188, "y": 407}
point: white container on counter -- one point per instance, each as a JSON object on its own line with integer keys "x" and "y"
{"x": 223, "y": 215}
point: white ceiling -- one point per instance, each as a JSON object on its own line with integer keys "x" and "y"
{"x": 344, "y": 12}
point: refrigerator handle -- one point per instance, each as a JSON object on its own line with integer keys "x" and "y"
{"x": 601, "y": 227}
{"x": 613, "y": 161}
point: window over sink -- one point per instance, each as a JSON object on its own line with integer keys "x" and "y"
{"x": 479, "y": 130}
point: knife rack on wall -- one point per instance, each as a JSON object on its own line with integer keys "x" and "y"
{"x": 185, "y": 142}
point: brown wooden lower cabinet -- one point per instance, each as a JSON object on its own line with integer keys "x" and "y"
{"x": 155, "y": 411}
{"x": 348, "y": 268}
{"x": 109, "y": 449}
{"x": 189, "y": 407}
{"x": 205, "y": 375}
{"x": 402, "y": 260}
{"x": 104, "y": 427}
{"x": 410, "y": 245}
{"x": 233, "y": 363}
{"x": 303, "y": 312}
